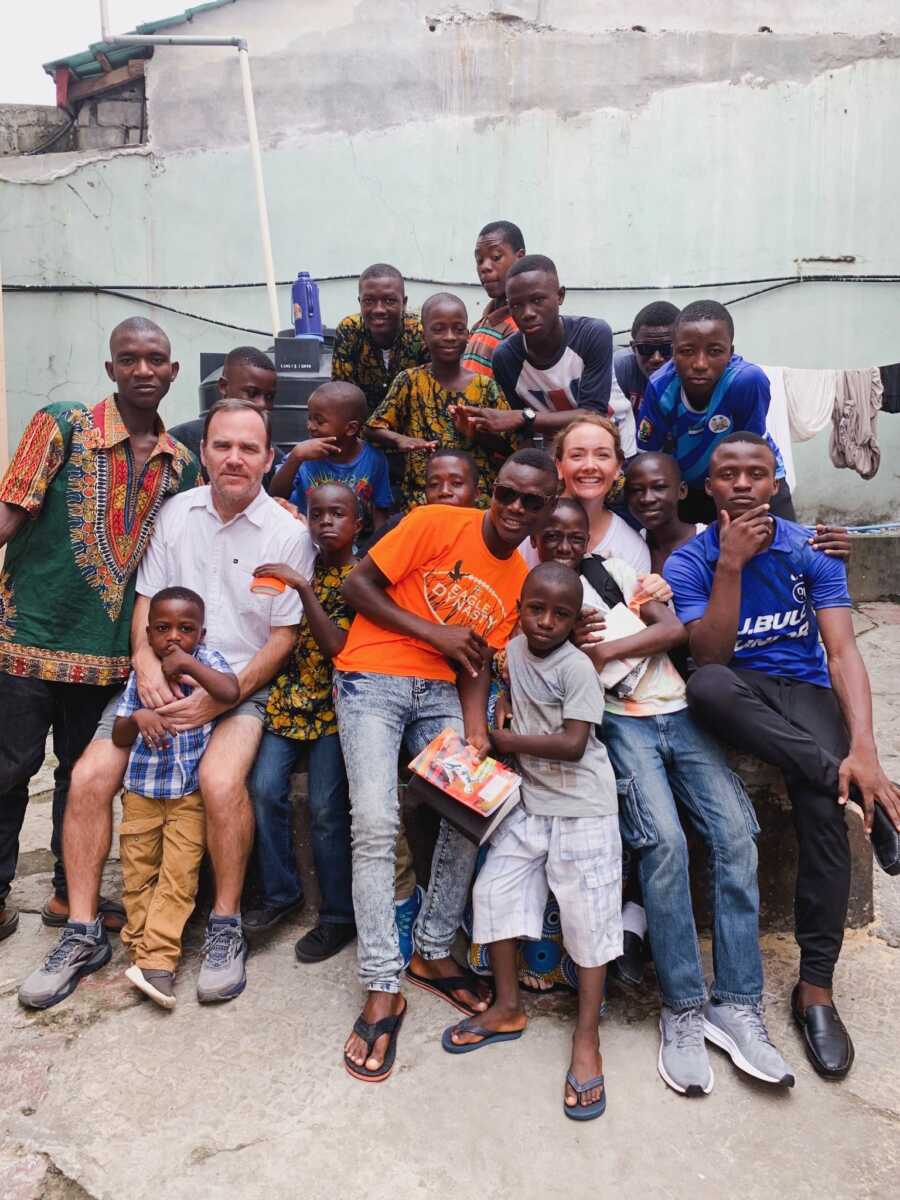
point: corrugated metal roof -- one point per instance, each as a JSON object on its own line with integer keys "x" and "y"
{"x": 86, "y": 64}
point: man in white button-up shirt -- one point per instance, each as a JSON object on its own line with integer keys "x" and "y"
{"x": 210, "y": 541}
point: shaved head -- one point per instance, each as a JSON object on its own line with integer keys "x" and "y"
{"x": 138, "y": 327}
{"x": 560, "y": 578}
{"x": 665, "y": 464}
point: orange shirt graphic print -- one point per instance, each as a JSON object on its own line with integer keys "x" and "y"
{"x": 454, "y": 596}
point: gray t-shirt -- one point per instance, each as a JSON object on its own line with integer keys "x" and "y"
{"x": 545, "y": 692}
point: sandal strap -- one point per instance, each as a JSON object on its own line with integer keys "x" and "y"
{"x": 470, "y": 1026}
{"x": 370, "y": 1032}
{"x": 581, "y": 1088}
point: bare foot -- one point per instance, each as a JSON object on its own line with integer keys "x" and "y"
{"x": 535, "y": 983}
{"x": 377, "y": 1006}
{"x": 59, "y": 908}
{"x": 494, "y": 1019}
{"x": 447, "y": 968}
{"x": 586, "y": 1064}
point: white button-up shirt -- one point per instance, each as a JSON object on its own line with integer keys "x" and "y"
{"x": 191, "y": 546}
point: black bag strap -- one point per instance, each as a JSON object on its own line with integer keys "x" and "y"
{"x": 601, "y": 581}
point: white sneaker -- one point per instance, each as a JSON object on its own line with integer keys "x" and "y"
{"x": 155, "y": 984}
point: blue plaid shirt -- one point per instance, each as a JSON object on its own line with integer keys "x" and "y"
{"x": 171, "y": 773}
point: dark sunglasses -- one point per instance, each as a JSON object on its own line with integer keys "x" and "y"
{"x": 648, "y": 349}
{"x": 531, "y": 501}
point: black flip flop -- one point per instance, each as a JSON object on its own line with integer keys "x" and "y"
{"x": 444, "y": 988}
{"x": 370, "y": 1032}
{"x": 111, "y": 911}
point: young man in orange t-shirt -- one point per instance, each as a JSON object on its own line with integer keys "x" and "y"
{"x": 435, "y": 598}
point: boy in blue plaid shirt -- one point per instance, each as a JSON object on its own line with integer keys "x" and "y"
{"x": 161, "y": 838}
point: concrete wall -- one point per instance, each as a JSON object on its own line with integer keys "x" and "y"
{"x": 24, "y": 127}
{"x": 696, "y": 152}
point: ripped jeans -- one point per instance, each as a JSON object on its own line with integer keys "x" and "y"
{"x": 377, "y": 715}
{"x": 657, "y": 759}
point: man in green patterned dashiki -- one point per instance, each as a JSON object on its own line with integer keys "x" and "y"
{"x": 77, "y": 505}
{"x": 423, "y": 409}
{"x": 372, "y": 346}
{"x": 300, "y": 715}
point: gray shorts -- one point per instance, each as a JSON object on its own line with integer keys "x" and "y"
{"x": 579, "y": 858}
{"x": 253, "y": 706}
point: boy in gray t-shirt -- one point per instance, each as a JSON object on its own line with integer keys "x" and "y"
{"x": 564, "y": 835}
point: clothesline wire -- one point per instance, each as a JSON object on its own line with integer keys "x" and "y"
{"x": 123, "y": 291}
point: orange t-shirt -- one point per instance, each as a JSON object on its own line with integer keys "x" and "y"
{"x": 441, "y": 570}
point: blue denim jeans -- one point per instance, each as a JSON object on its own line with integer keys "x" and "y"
{"x": 329, "y": 818}
{"x": 377, "y": 715}
{"x": 657, "y": 759}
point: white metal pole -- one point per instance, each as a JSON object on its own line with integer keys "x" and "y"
{"x": 240, "y": 44}
{"x": 262, "y": 210}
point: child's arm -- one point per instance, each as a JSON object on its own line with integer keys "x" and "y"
{"x": 566, "y": 746}
{"x": 283, "y": 480}
{"x": 144, "y": 724}
{"x": 663, "y": 633}
{"x": 389, "y": 440}
{"x": 221, "y": 686}
{"x": 329, "y": 637}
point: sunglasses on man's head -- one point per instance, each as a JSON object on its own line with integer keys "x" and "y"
{"x": 531, "y": 501}
{"x": 648, "y": 349}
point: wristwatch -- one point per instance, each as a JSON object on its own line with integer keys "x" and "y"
{"x": 528, "y": 418}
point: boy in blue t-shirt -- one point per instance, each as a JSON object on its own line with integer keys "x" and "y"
{"x": 702, "y": 394}
{"x": 334, "y": 452}
{"x": 755, "y": 596}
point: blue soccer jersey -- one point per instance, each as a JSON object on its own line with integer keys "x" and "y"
{"x": 666, "y": 421}
{"x": 781, "y": 589}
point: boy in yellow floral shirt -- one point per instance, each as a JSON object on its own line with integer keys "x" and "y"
{"x": 420, "y": 412}
{"x": 300, "y": 714}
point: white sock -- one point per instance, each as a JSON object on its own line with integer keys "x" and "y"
{"x": 634, "y": 919}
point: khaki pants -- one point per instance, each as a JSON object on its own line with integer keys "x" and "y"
{"x": 161, "y": 846}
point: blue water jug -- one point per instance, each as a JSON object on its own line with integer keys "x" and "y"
{"x": 305, "y": 306}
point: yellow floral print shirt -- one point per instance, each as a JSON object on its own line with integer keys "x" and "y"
{"x": 300, "y": 702}
{"x": 417, "y": 405}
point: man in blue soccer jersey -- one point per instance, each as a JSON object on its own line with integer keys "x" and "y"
{"x": 755, "y": 596}
{"x": 702, "y": 394}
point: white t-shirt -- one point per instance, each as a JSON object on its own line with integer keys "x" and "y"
{"x": 192, "y": 547}
{"x": 621, "y": 541}
{"x": 661, "y": 688}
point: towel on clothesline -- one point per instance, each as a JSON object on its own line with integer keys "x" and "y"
{"x": 777, "y": 422}
{"x": 854, "y": 421}
{"x": 890, "y": 382}
{"x": 811, "y": 396}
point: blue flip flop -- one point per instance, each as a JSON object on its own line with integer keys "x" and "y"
{"x": 470, "y": 1026}
{"x": 585, "y": 1112}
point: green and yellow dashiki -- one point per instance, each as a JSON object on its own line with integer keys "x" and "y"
{"x": 357, "y": 359}
{"x": 300, "y": 702}
{"x": 67, "y": 586}
{"x": 417, "y": 405}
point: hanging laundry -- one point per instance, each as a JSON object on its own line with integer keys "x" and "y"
{"x": 890, "y": 381}
{"x": 854, "y": 421}
{"x": 810, "y": 400}
{"x": 777, "y": 423}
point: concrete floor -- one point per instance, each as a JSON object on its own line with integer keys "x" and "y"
{"x": 107, "y": 1096}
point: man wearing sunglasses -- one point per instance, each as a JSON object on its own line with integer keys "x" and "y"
{"x": 435, "y": 598}
{"x": 649, "y": 349}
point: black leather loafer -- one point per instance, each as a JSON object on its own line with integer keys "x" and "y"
{"x": 825, "y": 1038}
{"x": 628, "y": 968}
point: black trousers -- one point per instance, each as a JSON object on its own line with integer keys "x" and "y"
{"x": 697, "y": 506}
{"x": 29, "y": 709}
{"x": 799, "y": 728}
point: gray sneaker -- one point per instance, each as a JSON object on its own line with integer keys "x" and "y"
{"x": 81, "y": 949}
{"x": 222, "y": 976}
{"x": 683, "y": 1061}
{"x": 739, "y": 1029}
